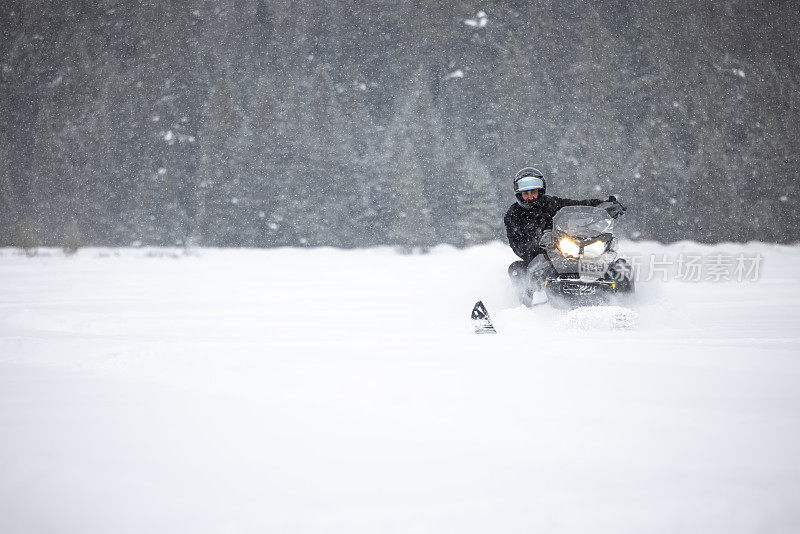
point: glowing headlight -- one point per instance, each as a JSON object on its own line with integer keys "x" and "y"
{"x": 569, "y": 247}
{"x": 595, "y": 249}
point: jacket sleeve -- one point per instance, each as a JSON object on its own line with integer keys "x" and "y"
{"x": 523, "y": 247}
{"x": 562, "y": 202}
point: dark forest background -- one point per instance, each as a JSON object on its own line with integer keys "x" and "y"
{"x": 364, "y": 122}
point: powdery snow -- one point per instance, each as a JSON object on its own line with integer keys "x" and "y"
{"x": 328, "y": 391}
{"x": 480, "y": 20}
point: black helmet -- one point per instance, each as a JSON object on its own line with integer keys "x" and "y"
{"x": 526, "y": 180}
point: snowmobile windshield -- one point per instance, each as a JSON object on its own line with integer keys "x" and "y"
{"x": 583, "y": 222}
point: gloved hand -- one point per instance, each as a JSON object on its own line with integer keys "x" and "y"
{"x": 613, "y": 207}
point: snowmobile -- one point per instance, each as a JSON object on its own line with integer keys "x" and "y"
{"x": 585, "y": 270}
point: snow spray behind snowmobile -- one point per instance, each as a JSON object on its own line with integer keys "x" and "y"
{"x": 581, "y": 248}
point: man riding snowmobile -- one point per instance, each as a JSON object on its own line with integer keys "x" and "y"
{"x": 527, "y": 219}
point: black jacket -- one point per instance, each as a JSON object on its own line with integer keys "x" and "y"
{"x": 524, "y": 227}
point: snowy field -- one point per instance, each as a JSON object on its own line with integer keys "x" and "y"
{"x": 329, "y": 391}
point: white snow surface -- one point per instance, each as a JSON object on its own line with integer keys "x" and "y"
{"x": 323, "y": 390}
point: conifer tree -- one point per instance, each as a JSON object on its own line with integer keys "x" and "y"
{"x": 25, "y": 237}
{"x": 73, "y": 239}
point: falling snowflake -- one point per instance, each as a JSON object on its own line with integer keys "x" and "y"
{"x": 480, "y": 20}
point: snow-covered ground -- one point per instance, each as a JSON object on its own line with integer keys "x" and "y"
{"x": 310, "y": 391}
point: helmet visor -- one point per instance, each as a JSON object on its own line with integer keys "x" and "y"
{"x": 528, "y": 183}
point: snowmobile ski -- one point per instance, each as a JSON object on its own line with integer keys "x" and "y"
{"x": 481, "y": 323}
